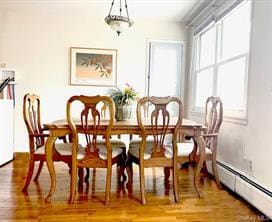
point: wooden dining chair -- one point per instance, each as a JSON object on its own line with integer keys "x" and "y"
{"x": 37, "y": 135}
{"x": 213, "y": 121}
{"x": 115, "y": 142}
{"x": 155, "y": 154}
{"x": 135, "y": 140}
{"x": 91, "y": 126}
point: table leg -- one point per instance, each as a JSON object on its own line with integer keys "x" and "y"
{"x": 201, "y": 146}
{"x": 50, "y": 165}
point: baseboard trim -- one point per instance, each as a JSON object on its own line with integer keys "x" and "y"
{"x": 7, "y": 162}
{"x": 243, "y": 177}
{"x": 255, "y": 194}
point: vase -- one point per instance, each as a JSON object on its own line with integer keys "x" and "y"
{"x": 123, "y": 112}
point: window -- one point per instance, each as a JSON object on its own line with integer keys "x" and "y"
{"x": 165, "y": 69}
{"x": 221, "y": 61}
{"x": 164, "y": 74}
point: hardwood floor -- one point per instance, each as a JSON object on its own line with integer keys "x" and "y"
{"x": 217, "y": 205}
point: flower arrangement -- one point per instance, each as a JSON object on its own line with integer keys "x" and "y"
{"x": 123, "y": 101}
{"x": 125, "y": 97}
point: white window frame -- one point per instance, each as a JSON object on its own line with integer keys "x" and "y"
{"x": 183, "y": 44}
{"x": 234, "y": 116}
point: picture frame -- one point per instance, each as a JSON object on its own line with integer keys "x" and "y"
{"x": 93, "y": 66}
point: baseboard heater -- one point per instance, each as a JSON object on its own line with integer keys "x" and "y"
{"x": 255, "y": 194}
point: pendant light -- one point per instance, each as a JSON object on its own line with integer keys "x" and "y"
{"x": 119, "y": 23}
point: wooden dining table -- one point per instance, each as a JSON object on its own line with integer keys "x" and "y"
{"x": 60, "y": 128}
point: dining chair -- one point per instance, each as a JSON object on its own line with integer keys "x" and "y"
{"x": 116, "y": 142}
{"x": 155, "y": 153}
{"x": 37, "y": 135}
{"x": 91, "y": 126}
{"x": 136, "y": 139}
{"x": 213, "y": 121}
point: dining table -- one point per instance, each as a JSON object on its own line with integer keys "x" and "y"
{"x": 60, "y": 128}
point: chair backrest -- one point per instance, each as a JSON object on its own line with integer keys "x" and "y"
{"x": 158, "y": 120}
{"x": 145, "y": 107}
{"x": 31, "y": 113}
{"x": 214, "y": 114}
{"x": 104, "y": 110}
{"x": 90, "y": 123}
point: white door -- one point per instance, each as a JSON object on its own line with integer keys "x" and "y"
{"x": 165, "y": 69}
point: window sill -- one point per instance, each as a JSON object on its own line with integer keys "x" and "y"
{"x": 227, "y": 118}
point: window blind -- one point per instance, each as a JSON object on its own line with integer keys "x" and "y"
{"x": 219, "y": 10}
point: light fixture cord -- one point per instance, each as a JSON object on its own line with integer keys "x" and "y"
{"x": 120, "y": 7}
{"x": 111, "y": 6}
{"x": 126, "y": 9}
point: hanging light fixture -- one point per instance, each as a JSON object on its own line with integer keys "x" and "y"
{"x": 118, "y": 23}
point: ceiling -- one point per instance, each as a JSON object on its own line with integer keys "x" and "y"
{"x": 166, "y": 10}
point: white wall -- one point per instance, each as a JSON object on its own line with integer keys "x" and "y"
{"x": 253, "y": 140}
{"x": 37, "y": 45}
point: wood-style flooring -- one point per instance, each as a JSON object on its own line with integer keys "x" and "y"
{"x": 216, "y": 205}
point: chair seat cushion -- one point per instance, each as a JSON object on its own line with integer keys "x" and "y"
{"x": 207, "y": 151}
{"x": 135, "y": 148}
{"x": 184, "y": 149}
{"x": 149, "y": 139}
{"x": 103, "y": 152}
{"x": 64, "y": 149}
{"x": 114, "y": 143}
{"x": 137, "y": 141}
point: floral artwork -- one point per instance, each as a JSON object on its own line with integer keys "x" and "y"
{"x": 96, "y": 63}
{"x": 93, "y": 66}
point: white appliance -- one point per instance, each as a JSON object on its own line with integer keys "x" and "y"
{"x": 6, "y": 73}
{"x": 6, "y": 130}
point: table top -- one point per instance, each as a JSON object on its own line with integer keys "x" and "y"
{"x": 132, "y": 124}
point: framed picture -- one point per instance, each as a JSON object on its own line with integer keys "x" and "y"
{"x": 94, "y": 67}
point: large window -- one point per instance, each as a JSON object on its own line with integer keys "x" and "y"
{"x": 221, "y": 61}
